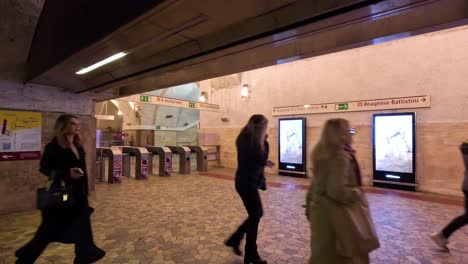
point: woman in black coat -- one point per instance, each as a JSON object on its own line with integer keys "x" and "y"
{"x": 252, "y": 157}
{"x": 63, "y": 161}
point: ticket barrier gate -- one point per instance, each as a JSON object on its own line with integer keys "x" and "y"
{"x": 114, "y": 164}
{"x": 184, "y": 158}
{"x": 202, "y": 157}
{"x": 165, "y": 160}
{"x": 141, "y": 163}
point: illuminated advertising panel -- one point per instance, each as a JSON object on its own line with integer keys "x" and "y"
{"x": 292, "y": 146}
{"x": 394, "y": 150}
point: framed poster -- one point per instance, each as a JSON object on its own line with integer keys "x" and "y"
{"x": 292, "y": 146}
{"x": 394, "y": 150}
{"x": 20, "y": 135}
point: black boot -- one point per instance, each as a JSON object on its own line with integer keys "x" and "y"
{"x": 29, "y": 253}
{"x": 23, "y": 261}
{"x": 235, "y": 245}
{"x": 93, "y": 254}
{"x": 254, "y": 260}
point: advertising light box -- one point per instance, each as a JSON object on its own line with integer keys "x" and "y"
{"x": 292, "y": 146}
{"x": 394, "y": 150}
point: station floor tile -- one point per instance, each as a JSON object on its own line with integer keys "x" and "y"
{"x": 185, "y": 219}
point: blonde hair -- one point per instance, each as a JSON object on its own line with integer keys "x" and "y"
{"x": 60, "y": 129}
{"x": 330, "y": 143}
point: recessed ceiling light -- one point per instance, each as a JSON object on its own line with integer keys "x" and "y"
{"x": 101, "y": 63}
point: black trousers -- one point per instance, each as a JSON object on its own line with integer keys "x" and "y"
{"x": 70, "y": 226}
{"x": 458, "y": 222}
{"x": 253, "y": 205}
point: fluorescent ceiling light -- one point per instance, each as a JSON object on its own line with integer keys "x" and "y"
{"x": 101, "y": 63}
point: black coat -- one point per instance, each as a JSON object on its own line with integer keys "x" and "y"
{"x": 56, "y": 163}
{"x": 68, "y": 224}
{"x": 251, "y": 163}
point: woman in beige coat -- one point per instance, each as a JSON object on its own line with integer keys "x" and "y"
{"x": 342, "y": 231}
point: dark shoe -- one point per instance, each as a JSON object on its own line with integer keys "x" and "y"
{"x": 234, "y": 245}
{"x": 18, "y": 253}
{"x": 94, "y": 255}
{"x": 22, "y": 257}
{"x": 23, "y": 261}
{"x": 90, "y": 210}
{"x": 99, "y": 254}
{"x": 440, "y": 241}
{"x": 256, "y": 260}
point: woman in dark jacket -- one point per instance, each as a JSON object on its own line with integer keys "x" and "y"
{"x": 63, "y": 161}
{"x": 252, "y": 157}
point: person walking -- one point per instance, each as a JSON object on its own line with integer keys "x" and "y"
{"x": 441, "y": 238}
{"x": 252, "y": 157}
{"x": 342, "y": 230}
{"x": 63, "y": 160}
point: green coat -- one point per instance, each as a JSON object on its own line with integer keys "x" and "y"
{"x": 342, "y": 231}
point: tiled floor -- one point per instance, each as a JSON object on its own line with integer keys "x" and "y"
{"x": 184, "y": 219}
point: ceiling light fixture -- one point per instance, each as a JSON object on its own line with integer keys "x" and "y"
{"x": 101, "y": 63}
{"x": 203, "y": 97}
{"x": 132, "y": 105}
{"x": 245, "y": 91}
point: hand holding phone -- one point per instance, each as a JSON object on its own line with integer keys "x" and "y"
{"x": 270, "y": 164}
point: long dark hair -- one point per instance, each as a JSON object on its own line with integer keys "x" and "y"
{"x": 252, "y": 132}
{"x": 60, "y": 129}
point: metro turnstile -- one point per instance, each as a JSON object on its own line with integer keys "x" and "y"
{"x": 165, "y": 160}
{"x": 202, "y": 157}
{"x": 184, "y": 158}
{"x": 114, "y": 166}
{"x": 141, "y": 168}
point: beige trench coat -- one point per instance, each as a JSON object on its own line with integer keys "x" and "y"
{"x": 342, "y": 231}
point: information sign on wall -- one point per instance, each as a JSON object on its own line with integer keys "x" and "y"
{"x": 158, "y": 100}
{"x": 356, "y": 106}
{"x": 20, "y": 135}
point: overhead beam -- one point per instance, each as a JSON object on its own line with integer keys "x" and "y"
{"x": 296, "y": 14}
{"x": 365, "y": 26}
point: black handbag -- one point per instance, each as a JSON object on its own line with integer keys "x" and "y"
{"x": 55, "y": 195}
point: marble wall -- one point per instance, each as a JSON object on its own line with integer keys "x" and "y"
{"x": 434, "y": 64}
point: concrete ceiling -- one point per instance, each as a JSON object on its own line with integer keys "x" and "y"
{"x": 18, "y": 19}
{"x": 173, "y": 42}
